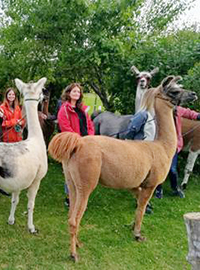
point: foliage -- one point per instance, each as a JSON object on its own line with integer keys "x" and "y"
{"x": 94, "y": 42}
{"x": 108, "y": 241}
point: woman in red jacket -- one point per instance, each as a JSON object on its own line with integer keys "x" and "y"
{"x": 12, "y": 117}
{"x": 73, "y": 116}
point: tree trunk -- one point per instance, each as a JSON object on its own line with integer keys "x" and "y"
{"x": 192, "y": 221}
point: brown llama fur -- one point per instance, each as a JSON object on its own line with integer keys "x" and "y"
{"x": 138, "y": 166}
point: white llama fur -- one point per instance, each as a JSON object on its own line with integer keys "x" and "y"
{"x": 23, "y": 164}
{"x": 144, "y": 79}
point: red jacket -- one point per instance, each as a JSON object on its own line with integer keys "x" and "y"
{"x": 185, "y": 113}
{"x": 10, "y": 119}
{"x": 68, "y": 119}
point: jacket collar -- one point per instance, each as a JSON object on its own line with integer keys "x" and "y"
{"x": 69, "y": 106}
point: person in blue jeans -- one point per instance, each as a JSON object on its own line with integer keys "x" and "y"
{"x": 173, "y": 173}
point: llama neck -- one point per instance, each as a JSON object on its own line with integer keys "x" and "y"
{"x": 45, "y": 107}
{"x": 139, "y": 94}
{"x": 34, "y": 129}
{"x": 165, "y": 125}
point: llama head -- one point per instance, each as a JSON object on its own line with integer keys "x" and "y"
{"x": 31, "y": 90}
{"x": 144, "y": 77}
{"x": 175, "y": 92}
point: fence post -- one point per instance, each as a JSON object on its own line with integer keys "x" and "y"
{"x": 192, "y": 222}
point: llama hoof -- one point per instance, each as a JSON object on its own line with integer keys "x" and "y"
{"x": 11, "y": 221}
{"x": 140, "y": 238}
{"x": 74, "y": 257}
{"x": 183, "y": 186}
{"x": 34, "y": 231}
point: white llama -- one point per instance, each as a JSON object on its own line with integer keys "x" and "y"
{"x": 143, "y": 83}
{"x": 23, "y": 164}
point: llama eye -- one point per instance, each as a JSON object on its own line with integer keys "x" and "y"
{"x": 175, "y": 92}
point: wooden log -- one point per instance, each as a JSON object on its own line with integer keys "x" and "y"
{"x": 192, "y": 222}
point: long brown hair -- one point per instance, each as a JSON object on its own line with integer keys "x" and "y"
{"x": 66, "y": 94}
{"x": 15, "y": 102}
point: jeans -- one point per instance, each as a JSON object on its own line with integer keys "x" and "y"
{"x": 173, "y": 174}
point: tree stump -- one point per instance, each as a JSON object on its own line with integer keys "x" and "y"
{"x": 192, "y": 221}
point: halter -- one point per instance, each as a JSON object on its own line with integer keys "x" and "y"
{"x": 32, "y": 99}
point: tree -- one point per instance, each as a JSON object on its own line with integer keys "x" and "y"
{"x": 91, "y": 41}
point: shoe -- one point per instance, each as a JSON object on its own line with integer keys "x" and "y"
{"x": 67, "y": 201}
{"x": 159, "y": 194}
{"x": 149, "y": 210}
{"x": 179, "y": 193}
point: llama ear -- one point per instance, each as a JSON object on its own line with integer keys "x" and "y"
{"x": 154, "y": 71}
{"x": 19, "y": 84}
{"x": 167, "y": 81}
{"x": 135, "y": 70}
{"x": 41, "y": 82}
{"x": 177, "y": 78}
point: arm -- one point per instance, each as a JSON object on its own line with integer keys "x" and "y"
{"x": 187, "y": 113}
{"x": 63, "y": 120}
{"x": 9, "y": 123}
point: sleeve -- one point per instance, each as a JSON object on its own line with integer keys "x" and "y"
{"x": 188, "y": 113}
{"x": 63, "y": 120}
{"x": 136, "y": 123}
{"x": 90, "y": 126}
{"x": 9, "y": 123}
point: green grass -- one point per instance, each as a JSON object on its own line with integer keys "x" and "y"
{"x": 108, "y": 242}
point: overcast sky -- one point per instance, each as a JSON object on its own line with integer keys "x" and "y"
{"x": 192, "y": 15}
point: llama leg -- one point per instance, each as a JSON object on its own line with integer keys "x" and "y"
{"x": 14, "y": 203}
{"x": 31, "y": 194}
{"x": 143, "y": 197}
{"x": 74, "y": 222}
{"x": 189, "y": 167}
{"x": 72, "y": 199}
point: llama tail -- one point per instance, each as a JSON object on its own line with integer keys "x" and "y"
{"x": 63, "y": 145}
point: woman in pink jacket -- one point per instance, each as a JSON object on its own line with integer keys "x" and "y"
{"x": 173, "y": 174}
{"x": 73, "y": 116}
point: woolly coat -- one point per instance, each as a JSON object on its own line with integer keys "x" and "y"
{"x": 185, "y": 113}
{"x": 68, "y": 119}
{"x": 10, "y": 120}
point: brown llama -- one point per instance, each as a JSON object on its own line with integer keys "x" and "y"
{"x": 47, "y": 124}
{"x": 138, "y": 166}
{"x": 191, "y": 137}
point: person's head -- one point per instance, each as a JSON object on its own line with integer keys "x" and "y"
{"x": 11, "y": 97}
{"x": 73, "y": 93}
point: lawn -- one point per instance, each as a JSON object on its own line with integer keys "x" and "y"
{"x": 107, "y": 238}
